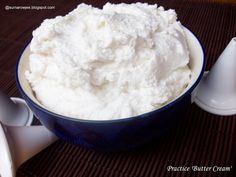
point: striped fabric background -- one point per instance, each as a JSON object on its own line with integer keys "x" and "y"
{"x": 201, "y": 138}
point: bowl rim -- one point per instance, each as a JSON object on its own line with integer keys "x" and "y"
{"x": 140, "y": 116}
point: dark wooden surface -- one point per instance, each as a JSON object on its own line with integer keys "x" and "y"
{"x": 201, "y": 139}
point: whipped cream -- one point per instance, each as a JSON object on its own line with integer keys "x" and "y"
{"x": 116, "y": 62}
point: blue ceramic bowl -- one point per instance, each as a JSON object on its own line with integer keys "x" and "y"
{"x": 120, "y": 134}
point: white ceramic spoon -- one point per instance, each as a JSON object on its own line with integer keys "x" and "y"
{"x": 18, "y": 140}
{"x": 216, "y": 93}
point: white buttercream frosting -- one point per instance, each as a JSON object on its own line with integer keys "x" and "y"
{"x": 116, "y": 62}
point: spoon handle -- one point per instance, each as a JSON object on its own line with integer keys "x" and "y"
{"x": 8, "y": 108}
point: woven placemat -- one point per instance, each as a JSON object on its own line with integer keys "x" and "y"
{"x": 201, "y": 139}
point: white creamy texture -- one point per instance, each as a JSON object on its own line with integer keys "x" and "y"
{"x": 116, "y": 62}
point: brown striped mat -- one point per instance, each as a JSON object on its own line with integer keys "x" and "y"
{"x": 202, "y": 139}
